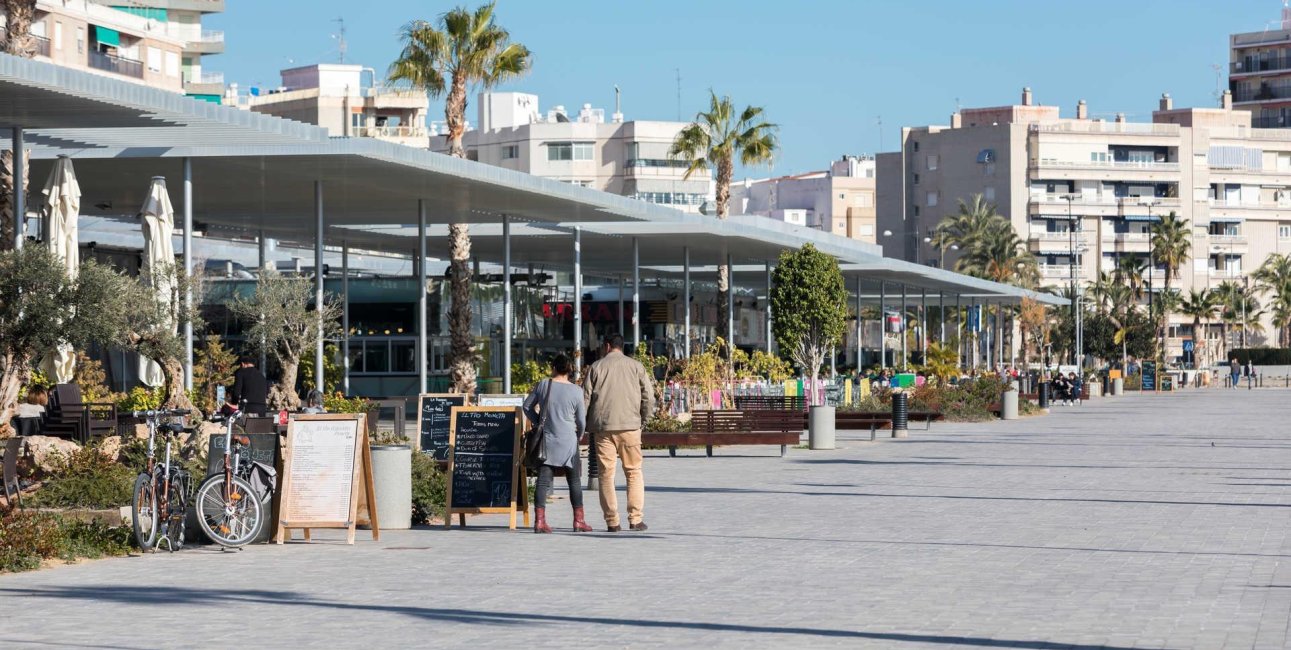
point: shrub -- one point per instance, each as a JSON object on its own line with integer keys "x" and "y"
{"x": 429, "y": 489}
{"x": 666, "y": 424}
{"x": 142, "y": 399}
{"x": 338, "y": 403}
{"x": 27, "y": 538}
{"x": 85, "y": 479}
{"x": 525, "y": 375}
{"x": 967, "y": 401}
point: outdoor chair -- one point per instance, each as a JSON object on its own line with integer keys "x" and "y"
{"x": 12, "y": 491}
{"x": 68, "y": 417}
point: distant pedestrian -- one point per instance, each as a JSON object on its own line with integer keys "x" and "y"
{"x": 250, "y": 387}
{"x": 556, "y": 405}
{"x": 620, "y": 397}
{"x": 1235, "y": 370}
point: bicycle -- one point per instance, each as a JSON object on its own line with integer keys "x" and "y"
{"x": 229, "y": 510}
{"x": 158, "y": 504}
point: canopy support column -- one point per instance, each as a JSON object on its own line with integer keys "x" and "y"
{"x": 345, "y": 317}
{"x": 923, "y": 323}
{"x": 883, "y": 324}
{"x": 422, "y": 326}
{"x": 621, "y": 321}
{"x": 860, "y": 330}
{"x": 188, "y": 269}
{"x": 319, "y": 380}
{"x": 578, "y": 300}
{"x": 905, "y": 340}
{"x": 506, "y": 304}
{"x": 685, "y": 299}
{"x": 730, "y": 305}
{"x": 636, "y": 292}
{"x": 768, "y": 308}
{"x": 19, "y": 185}
{"x": 941, "y": 313}
{"x": 262, "y": 259}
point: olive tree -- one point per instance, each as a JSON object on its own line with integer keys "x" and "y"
{"x": 284, "y": 324}
{"x": 808, "y": 307}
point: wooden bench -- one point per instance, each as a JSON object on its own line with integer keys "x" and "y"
{"x": 770, "y": 402}
{"x": 729, "y": 427}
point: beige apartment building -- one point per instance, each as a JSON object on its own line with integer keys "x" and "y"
{"x": 333, "y": 96}
{"x": 1259, "y": 73}
{"x": 159, "y": 43}
{"x": 840, "y": 200}
{"x": 1108, "y": 180}
{"x": 629, "y": 158}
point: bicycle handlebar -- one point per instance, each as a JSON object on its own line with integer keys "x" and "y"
{"x": 160, "y": 413}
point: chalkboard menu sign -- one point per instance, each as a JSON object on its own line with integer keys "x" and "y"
{"x": 1149, "y": 375}
{"x": 434, "y": 416}
{"x": 484, "y": 451}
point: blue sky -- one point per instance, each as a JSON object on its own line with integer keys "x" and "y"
{"x": 825, "y": 70}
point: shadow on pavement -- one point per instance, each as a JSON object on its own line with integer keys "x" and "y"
{"x": 162, "y": 594}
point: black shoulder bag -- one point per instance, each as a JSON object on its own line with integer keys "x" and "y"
{"x": 535, "y": 455}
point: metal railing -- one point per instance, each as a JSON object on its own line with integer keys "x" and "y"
{"x": 1260, "y": 65}
{"x": 115, "y": 64}
{"x": 1089, "y": 126}
{"x": 1228, "y": 239}
{"x": 41, "y": 45}
{"x": 1108, "y": 164}
{"x": 1057, "y": 270}
{"x": 1265, "y": 91}
{"x": 211, "y": 36}
{"x": 211, "y": 78}
{"x": 391, "y": 132}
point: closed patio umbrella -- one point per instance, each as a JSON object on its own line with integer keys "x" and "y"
{"x": 158, "y": 257}
{"x": 62, "y": 208}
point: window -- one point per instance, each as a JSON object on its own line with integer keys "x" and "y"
{"x": 1284, "y": 232}
{"x": 842, "y": 195}
{"x": 80, "y": 40}
{"x": 154, "y": 59}
{"x": 1098, "y": 156}
{"x": 932, "y": 161}
{"x": 510, "y": 152}
{"x": 569, "y": 151}
{"x": 473, "y": 154}
{"x": 356, "y": 120}
{"x": 916, "y": 210}
{"x": 172, "y": 64}
{"x": 914, "y": 145}
{"x": 989, "y": 193}
{"x": 932, "y": 200}
{"x": 578, "y": 183}
{"x": 916, "y": 179}
{"x": 58, "y": 35}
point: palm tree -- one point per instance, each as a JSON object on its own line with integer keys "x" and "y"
{"x": 1129, "y": 272}
{"x": 1274, "y": 277}
{"x": 716, "y": 139}
{"x": 1200, "y": 305}
{"x": 462, "y": 49}
{"x": 999, "y": 254}
{"x": 967, "y": 227}
{"x": 1171, "y": 245}
{"x": 16, "y": 41}
{"x": 1100, "y": 292}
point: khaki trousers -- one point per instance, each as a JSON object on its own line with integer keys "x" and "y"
{"x": 610, "y": 447}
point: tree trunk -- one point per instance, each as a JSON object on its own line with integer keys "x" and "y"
{"x": 462, "y": 351}
{"x": 14, "y": 372}
{"x": 455, "y": 116}
{"x": 7, "y": 205}
{"x": 18, "y": 17}
{"x": 282, "y": 395}
{"x": 176, "y": 396}
{"x": 725, "y": 170}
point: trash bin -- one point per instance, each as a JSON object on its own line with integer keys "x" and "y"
{"x": 1009, "y": 403}
{"x": 900, "y": 414}
{"x": 820, "y": 427}
{"x": 1043, "y": 394}
{"x": 1118, "y": 386}
{"x": 392, "y": 481}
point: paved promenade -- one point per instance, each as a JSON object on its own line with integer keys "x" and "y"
{"x": 1140, "y": 522}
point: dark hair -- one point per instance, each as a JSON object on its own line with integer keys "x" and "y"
{"x": 37, "y": 395}
{"x": 561, "y": 365}
{"x": 616, "y": 342}
{"x": 247, "y": 359}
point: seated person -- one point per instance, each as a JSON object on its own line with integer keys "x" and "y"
{"x": 1075, "y": 383}
{"x": 313, "y": 403}
{"x": 31, "y": 411}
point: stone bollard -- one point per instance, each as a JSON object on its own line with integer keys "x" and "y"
{"x": 900, "y": 414}
{"x": 593, "y": 468}
{"x": 1009, "y": 403}
{"x": 1118, "y": 386}
{"x": 392, "y": 482}
{"x": 820, "y": 427}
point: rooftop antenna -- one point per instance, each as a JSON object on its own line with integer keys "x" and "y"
{"x": 879, "y": 122}
{"x": 340, "y": 38}
{"x": 1219, "y": 74}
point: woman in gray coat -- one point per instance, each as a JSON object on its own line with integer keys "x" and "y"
{"x": 558, "y": 404}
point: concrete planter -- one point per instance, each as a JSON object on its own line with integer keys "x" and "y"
{"x": 392, "y": 479}
{"x": 820, "y": 427}
{"x": 1009, "y": 405}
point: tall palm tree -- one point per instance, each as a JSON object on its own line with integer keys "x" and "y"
{"x": 1171, "y": 245}
{"x": 460, "y": 50}
{"x": 967, "y": 227}
{"x": 716, "y": 139}
{"x": 1129, "y": 272}
{"x": 1100, "y": 292}
{"x": 16, "y": 40}
{"x": 1200, "y": 305}
{"x": 1274, "y": 278}
{"x": 999, "y": 254}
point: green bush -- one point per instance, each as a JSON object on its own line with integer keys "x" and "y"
{"x": 967, "y": 401}
{"x": 429, "y": 489}
{"x": 337, "y": 403}
{"x": 525, "y": 375}
{"x": 666, "y": 424}
{"x": 142, "y": 399}
{"x": 85, "y": 479}
{"x": 1262, "y": 356}
{"x": 27, "y": 538}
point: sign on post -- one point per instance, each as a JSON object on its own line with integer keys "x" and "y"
{"x": 434, "y": 414}
{"x": 500, "y": 400}
{"x": 483, "y": 462}
{"x": 327, "y": 470}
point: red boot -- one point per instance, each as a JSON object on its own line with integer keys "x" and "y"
{"x": 540, "y": 525}
{"x": 580, "y": 524}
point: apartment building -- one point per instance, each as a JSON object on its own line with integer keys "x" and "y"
{"x": 1259, "y": 73}
{"x": 840, "y": 200}
{"x": 1106, "y": 179}
{"x": 629, "y": 158}
{"x": 333, "y": 96}
{"x": 158, "y": 43}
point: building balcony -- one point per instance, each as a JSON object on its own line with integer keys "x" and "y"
{"x": 1266, "y": 92}
{"x": 1257, "y": 66}
{"x": 41, "y": 45}
{"x": 1222, "y": 204}
{"x": 202, "y": 6}
{"x": 209, "y": 42}
{"x": 115, "y": 64}
{"x": 1226, "y": 274}
{"x": 1092, "y": 126}
{"x": 1106, "y": 171}
{"x": 1058, "y": 271}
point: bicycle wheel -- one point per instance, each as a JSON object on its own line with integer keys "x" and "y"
{"x": 232, "y": 523}
{"x": 177, "y": 522}
{"x": 143, "y": 511}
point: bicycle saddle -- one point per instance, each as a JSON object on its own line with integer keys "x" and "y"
{"x": 174, "y": 427}
{"x": 242, "y": 440}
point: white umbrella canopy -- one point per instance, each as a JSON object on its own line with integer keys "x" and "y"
{"x": 62, "y": 209}
{"x": 158, "y": 254}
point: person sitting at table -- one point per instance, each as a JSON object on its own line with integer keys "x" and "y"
{"x": 29, "y": 413}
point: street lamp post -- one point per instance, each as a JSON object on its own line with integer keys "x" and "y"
{"x": 1152, "y": 267}
{"x": 1074, "y": 261}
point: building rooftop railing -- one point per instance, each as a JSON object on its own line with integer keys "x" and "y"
{"x": 1108, "y": 164}
{"x": 1090, "y": 126}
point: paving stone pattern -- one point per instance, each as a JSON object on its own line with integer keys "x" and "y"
{"x": 1136, "y": 522}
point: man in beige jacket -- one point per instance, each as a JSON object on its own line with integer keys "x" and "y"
{"x": 620, "y": 397}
